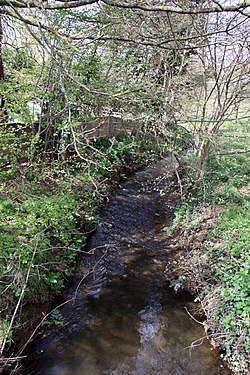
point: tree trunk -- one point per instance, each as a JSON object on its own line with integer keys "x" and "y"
{"x": 1, "y": 47}
{"x": 203, "y": 157}
{"x": 3, "y": 113}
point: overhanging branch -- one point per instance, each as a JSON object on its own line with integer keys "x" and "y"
{"x": 47, "y": 5}
{"x": 178, "y": 10}
{"x": 61, "y": 4}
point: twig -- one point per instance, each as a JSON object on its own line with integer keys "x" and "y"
{"x": 191, "y": 316}
{"x": 94, "y": 268}
{"x": 39, "y": 325}
{"x": 233, "y": 152}
{"x": 19, "y": 301}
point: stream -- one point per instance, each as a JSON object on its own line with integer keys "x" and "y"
{"x": 122, "y": 318}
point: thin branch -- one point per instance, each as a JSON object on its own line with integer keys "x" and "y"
{"x": 233, "y": 152}
{"x": 178, "y": 10}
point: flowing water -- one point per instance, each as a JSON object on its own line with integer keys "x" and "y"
{"x": 122, "y": 318}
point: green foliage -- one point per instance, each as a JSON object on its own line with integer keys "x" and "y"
{"x": 234, "y": 262}
{"x": 40, "y": 234}
{"x": 180, "y": 214}
{"x": 45, "y": 210}
{"x": 226, "y": 252}
{"x": 15, "y": 148}
{"x": 227, "y": 174}
{"x": 177, "y": 138}
{"x": 88, "y": 68}
{"x": 21, "y": 72}
{"x": 55, "y": 319}
{"x": 124, "y": 150}
{"x": 5, "y": 332}
{"x": 230, "y": 173}
{"x": 19, "y": 58}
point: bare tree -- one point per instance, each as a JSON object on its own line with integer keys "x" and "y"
{"x": 217, "y": 83}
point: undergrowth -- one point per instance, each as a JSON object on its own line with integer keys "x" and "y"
{"x": 47, "y": 211}
{"x": 214, "y": 223}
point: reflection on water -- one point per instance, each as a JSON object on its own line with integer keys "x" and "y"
{"x": 125, "y": 320}
{"x": 137, "y": 327}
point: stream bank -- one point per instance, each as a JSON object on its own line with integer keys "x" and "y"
{"x": 47, "y": 212}
{"x": 120, "y": 316}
